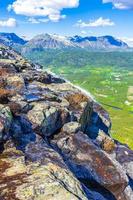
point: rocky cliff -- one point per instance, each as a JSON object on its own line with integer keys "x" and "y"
{"x": 55, "y": 139}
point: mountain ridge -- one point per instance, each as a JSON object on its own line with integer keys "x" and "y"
{"x": 54, "y": 41}
{"x": 49, "y": 41}
{"x": 11, "y": 39}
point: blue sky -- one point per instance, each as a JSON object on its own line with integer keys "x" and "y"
{"x": 67, "y": 17}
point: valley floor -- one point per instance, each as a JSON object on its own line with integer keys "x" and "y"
{"x": 113, "y": 88}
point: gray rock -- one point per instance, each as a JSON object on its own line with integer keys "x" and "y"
{"x": 5, "y": 122}
{"x": 93, "y": 119}
{"x": 71, "y": 127}
{"x": 129, "y": 169}
{"x": 128, "y": 193}
{"x": 49, "y": 180}
{"x": 47, "y": 120}
{"x": 21, "y": 132}
{"x": 88, "y": 162}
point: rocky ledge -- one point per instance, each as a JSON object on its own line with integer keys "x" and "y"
{"x": 55, "y": 139}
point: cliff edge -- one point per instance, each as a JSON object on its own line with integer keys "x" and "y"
{"x": 55, "y": 139}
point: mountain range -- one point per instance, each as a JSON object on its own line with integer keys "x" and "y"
{"x": 49, "y": 41}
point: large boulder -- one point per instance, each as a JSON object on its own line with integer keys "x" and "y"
{"x": 40, "y": 180}
{"x": 47, "y": 120}
{"x": 88, "y": 162}
{"x": 42, "y": 77}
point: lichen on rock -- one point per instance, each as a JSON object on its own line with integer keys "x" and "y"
{"x": 55, "y": 139}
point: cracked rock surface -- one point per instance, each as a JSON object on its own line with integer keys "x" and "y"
{"x": 55, "y": 140}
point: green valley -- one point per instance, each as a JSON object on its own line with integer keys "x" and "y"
{"x": 107, "y": 75}
{"x": 111, "y": 87}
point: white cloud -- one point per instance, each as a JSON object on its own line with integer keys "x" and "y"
{"x": 11, "y": 22}
{"x": 129, "y": 41}
{"x": 33, "y": 20}
{"x": 83, "y": 32}
{"x": 46, "y": 8}
{"x": 121, "y": 4}
{"x": 95, "y": 23}
{"x": 56, "y": 17}
{"x": 38, "y": 21}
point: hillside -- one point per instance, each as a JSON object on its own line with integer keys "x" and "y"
{"x": 55, "y": 139}
{"x": 81, "y": 57}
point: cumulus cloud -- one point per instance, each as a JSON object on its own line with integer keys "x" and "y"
{"x": 11, "y": 22}
{"x": 46, "y": 8}
{"x": 121, "y": 4}
{"x": 95, "y": 23}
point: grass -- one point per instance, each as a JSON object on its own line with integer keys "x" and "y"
{"x": 109, "y": 86}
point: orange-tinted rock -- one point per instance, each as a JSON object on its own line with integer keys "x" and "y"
{"x": 108, "y": 145}
{"x": 5, "y": 94}
{"x": 76, "y": 99}
{"x": 15, "y": 82}
{"x": 3, "y": 72}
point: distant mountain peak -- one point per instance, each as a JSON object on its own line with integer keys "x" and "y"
{"x": 48, "y": 41}
{"x": 101, "y": 42}
{"x": 114, "y": 41}
{"x": 54, "y": 41}
{"x": 11, "y": 39}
